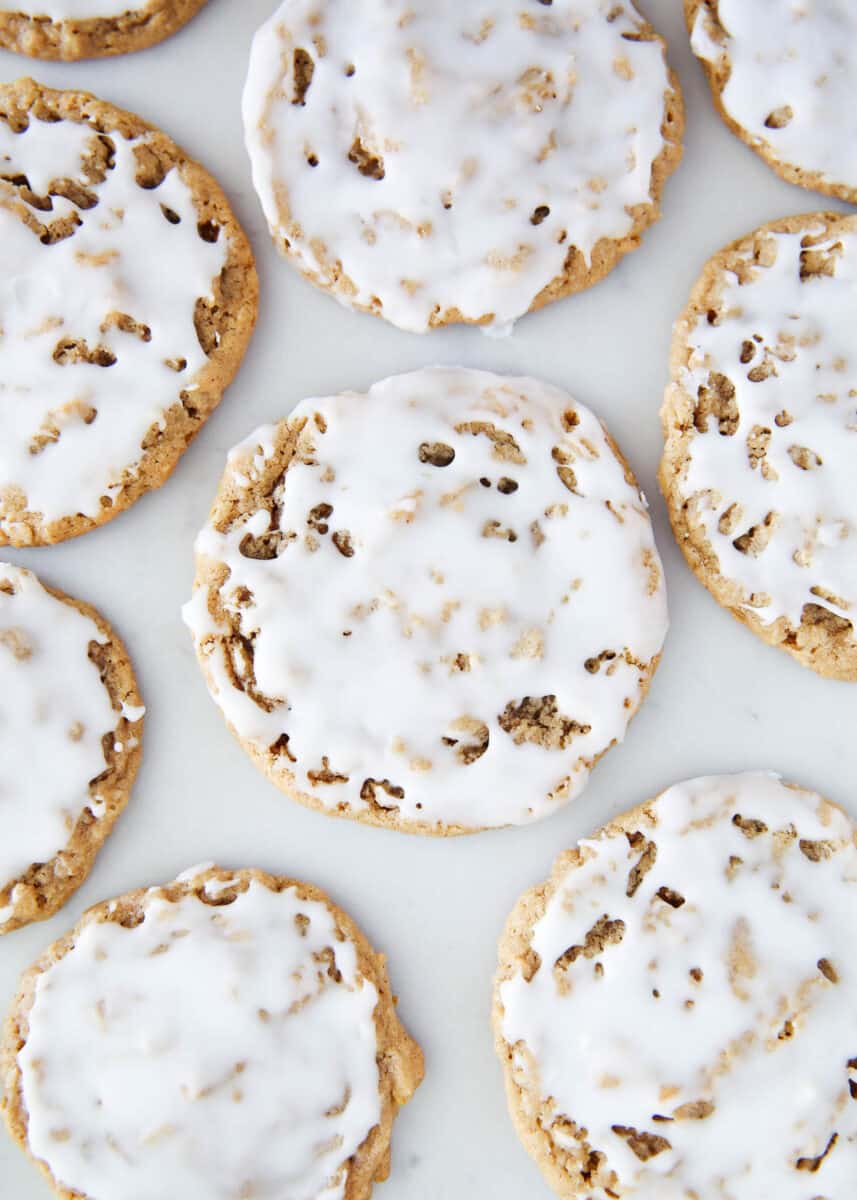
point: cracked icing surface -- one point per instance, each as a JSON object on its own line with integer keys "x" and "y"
{"x": 434, "y": 606}
{"x": 70, "y": 727}
{"x": 232, "y": 1033}
{"x": 675, "y": 1008}
{"x": 435, "y": 163}
{"x": 117, "y": 336}
{"x": 761, "y": 435}
{"x": 783, "y": 75}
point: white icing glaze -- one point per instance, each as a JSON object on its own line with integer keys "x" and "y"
{"x": 78, "y": 10}
{"x": 795, "y": 54}
{"x": 133, "y": 712}
{"x": 208, "y": 1047}
{"x": 192, "y": 872}
{"x": 126, "y": 257}
{"x": 397, "y": 663}
{"x": 54, "y": 711}
{"x": 806, "y": 332}
{"x": 764, "y": 1035}
{"x": 482, "y": 115}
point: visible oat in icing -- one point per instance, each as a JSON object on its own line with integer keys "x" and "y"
{"x": 761, "y": 422}
{"x": 785, "y": 73}
{"x": 435, "y": 162}
{"x": 103, "y": 276}
{"x": 55, "y": 714}
{"x": 224, "y": 1041}
{"x": 433, "y": 606}
{"x": 677, "y": 1008}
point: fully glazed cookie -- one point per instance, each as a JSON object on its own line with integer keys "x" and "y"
{"x": 760, "y": 426}
{"x": 676, "y": 1007}
{"x": 73, "y": 29}
{"x": 784, "y": 79}
{"x": 232, "y": 1033}
{"x": 431, "y": 607}
{"x": 127, "y": 301}
{"x": 70, "y": 728}
{"x": 434, "y": 164}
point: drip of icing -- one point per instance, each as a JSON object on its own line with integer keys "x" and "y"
{"x": 474, "y": 585}
{"x": 721, "y": 1020}
{"x": 441, "y": 158}
{"x": 210, "y": 1046}
{"x": 791, "y": 78}
{"x": 786, "y": 344}
{"x": 54, "y": 711}
{"x": 73, "y": 431}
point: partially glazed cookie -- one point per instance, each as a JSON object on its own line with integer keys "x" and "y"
{"x": 432, "y": 607}
{"x": 760, "y": 427}
{"x": 232, "y": 1033}
{"x": 432, "y": 163}
{"x": 784, "y": 78}
{"x": 71, "y": 722}
{"x": 127, "y": 301}
{"x": 73, "y": 29}
{"x": 676, "y": 1007}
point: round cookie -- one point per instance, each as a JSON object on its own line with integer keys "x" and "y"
{"x": 432, "y": 607}
{"x": 675, "y": 1007}
{"x": 232, "y": 1032}
{"x": 782, "y": 76}
{"x": 74, "y": 29}
{"x": 432, "y": 164}
{"x": 761, "y": 436}
{"x": 71, "y": 722}
{"x": 128, "y": 298}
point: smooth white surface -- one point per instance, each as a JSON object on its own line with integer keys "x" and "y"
{"x": 722, "y": 701}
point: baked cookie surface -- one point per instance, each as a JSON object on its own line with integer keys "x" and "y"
{"x": 431, "y": 607}
{"x": 435, "y": 164}
{"x": 675, "y": 1007}
{"x": 232, "y": 1032}
{"x": 761, "y": 436}
{"x": 74, "y": 29}
{"x": 71, "y": 724}
{"x": 128, "y": 298}
{"x": 784, "y": 78}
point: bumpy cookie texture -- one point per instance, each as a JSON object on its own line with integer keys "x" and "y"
{"x": 431, "y": 607}
{"x": 784, "y": 78}
{"x": 232, "y": 1032}
{"x": 434, "y": 164}
{"x": 128, "y": 298}
{"x": 74, "y": 29}
{"x": 760, "y": 423}
{"x": 71, "y": 724}
{"x": 676, "y": 1008}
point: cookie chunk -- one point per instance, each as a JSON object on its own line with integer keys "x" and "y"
{"x": 70, "y": 728}
{"x": 784, "y": 78}
{"x": 127, "y": 301}
{"x": 432, "y": 607}
{"x": 434, "y": 164}
{"x": 675, "y": 1007}
{"x": 761, "y": 436}
{"x": 232, "y": 1033}
{"x": 73, "y": 29}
